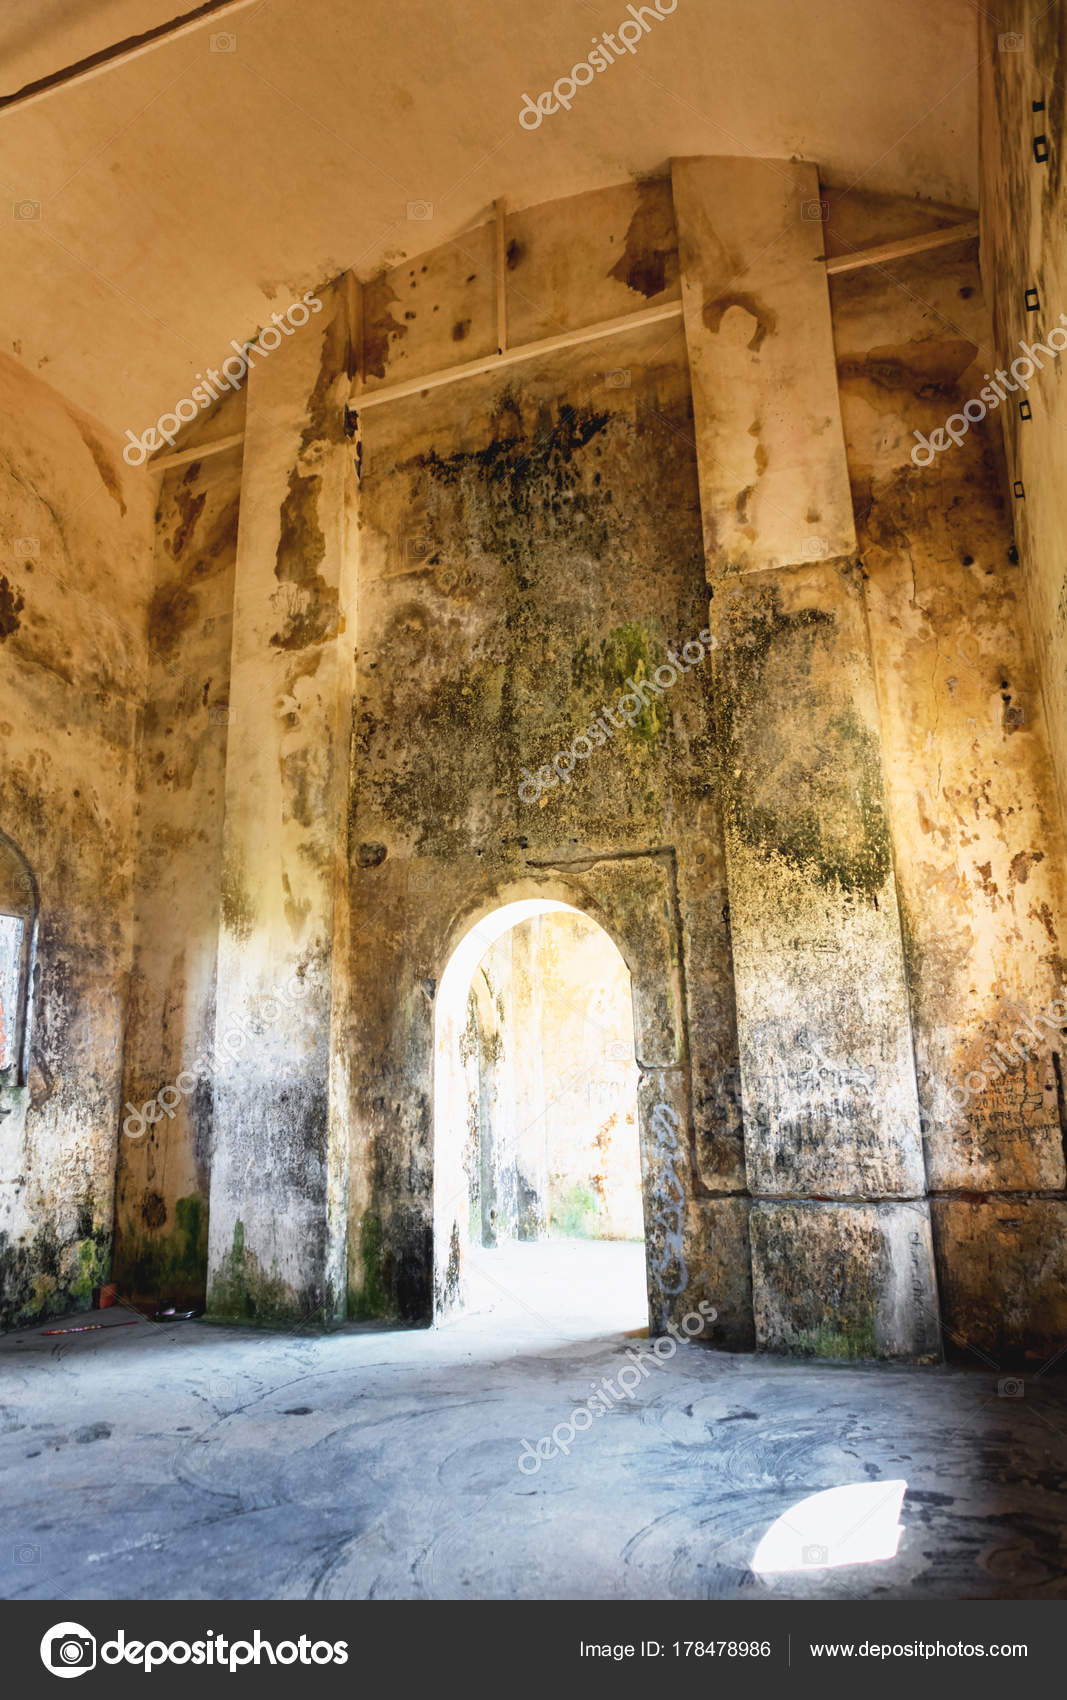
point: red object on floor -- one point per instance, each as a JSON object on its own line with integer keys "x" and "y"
{"x": 109, "y": 1295}
{"x": 87, "y": 1327}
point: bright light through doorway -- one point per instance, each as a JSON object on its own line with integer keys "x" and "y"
{"x": 538, "y": 1195}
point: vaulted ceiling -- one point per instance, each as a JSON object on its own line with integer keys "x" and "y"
{"x": 187, "y": 193}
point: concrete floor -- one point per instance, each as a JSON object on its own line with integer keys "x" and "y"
{"x": 191, "y": 1461}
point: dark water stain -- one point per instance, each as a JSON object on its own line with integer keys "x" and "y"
{"x": 104, "y": 465}
{"x": 153, "y": 1210}
{"x": 926, "y": 369}
{"x": 527, "y": 480}
{"x": 380, "y": 329}
{"x": 11, "y": 606}
{"x": 766, "y": 321}
{"x": 312, "y": 613}
{"x": 173, "y": 610}
{"x": 648, "y": 263}
{"x": 190, "y": 506}
{"x": 325, "y": 414}
{"x": 1023, "y": 862}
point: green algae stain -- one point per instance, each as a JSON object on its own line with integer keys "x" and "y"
{"x": 626, "y": 660}
{"x": 369, "y": 1299}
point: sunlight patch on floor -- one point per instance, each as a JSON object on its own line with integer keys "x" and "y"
{"x": 858, "y": 1523}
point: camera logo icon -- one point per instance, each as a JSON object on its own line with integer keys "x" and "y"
{"x": 815, "y": 1555}
{"x": 25, "y": 547}
{"x": 68, "y": 1649}
{"x": 221, "y": 714}
{"x": 1011, "y": 43}
{"x": 816, "y": 211}
{"x": 618, "y": 378}
{"x": 420, "y": 209}
{"x": 1010, "y": 1387}
{"x": 26, "y": 209}
{"x": 223, "y": 41}
{"x": 27, "y": 1554}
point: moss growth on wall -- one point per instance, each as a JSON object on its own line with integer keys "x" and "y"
{"x": 243, "y": 1291}
{"x": 93, "y": 1267}
{"x": 626, "y": 653}
{"x": 833, "y": 825}
{"x": 45, "y": 1277}
{"x": 369, "y": 1298}
{"x": 827, "y": 1342}
{"x": 573, "y": 1214}
{"x": 172, "y": 1263}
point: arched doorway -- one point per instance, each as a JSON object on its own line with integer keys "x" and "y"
{"x": 538, "y": 1197}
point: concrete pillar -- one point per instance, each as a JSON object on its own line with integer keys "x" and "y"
{"x": 278, "y": 1207}
{"x": 840, "y": 1237}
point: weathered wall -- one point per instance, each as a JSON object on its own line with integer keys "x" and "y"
{"x": 976, "y": 839}
{"x": 839, "y": 833}
{"x": 75, "y": 558}
{"x": 165, "y": 1145}
{"x": 830, "y": 1109}
{"x": 1024, "y": 209}
{"x": 529, "y": 545}
{"x": 529, "y": 548}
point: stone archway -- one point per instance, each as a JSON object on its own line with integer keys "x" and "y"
{"x": 535, "y": 1102}
{"x": 632, "y": 900}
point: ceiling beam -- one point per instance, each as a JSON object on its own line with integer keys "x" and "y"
{"x": 164, "y": 463}
{"x": 130, "y": 48}
{"x": 898, "y": 250}
{"x": 362, "y": 398}
{"x": 513, "y": 356}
